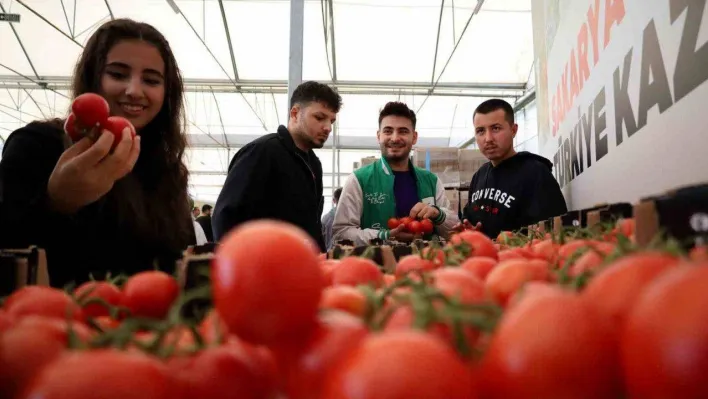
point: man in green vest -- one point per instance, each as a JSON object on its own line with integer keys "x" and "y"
{"x": 391, "y": 187}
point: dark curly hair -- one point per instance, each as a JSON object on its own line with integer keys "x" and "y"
{"x": 153, "y": 198}
{"x": 397, "y": 108}
{"x": 316, "y": 92}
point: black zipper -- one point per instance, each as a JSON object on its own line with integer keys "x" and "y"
{"x": 314, "y": 180}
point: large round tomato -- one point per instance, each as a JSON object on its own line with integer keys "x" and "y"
{"x": 614, "y": 290}
{"x": 480, "y": 266}
{"x": 551, "y": 346}
{"x": 150, "y": 293}
{"x": 354, "y": 270}
{"x": 401, "y": 365}
{"x": 345, "y": 298}
{"x": 427, "y": 226}
{"x": 393, "y": 223}
{"x": 27, "y": 347}
{"x": 507, "y": 277}
{"x": 480, "y": 244}
{"x": 459, "y": 284}
{"x": 90, "y": 109}
{"x": 308, "y": 367}
{"x": 99, "y": 290}
{"x": 44, "y": 302}
{"x": 665, "y": 341}
{"x": 225, "y": 371}
{"x": 104, "y": 374}
{"x": 267, "y": 282}
{"x": 413, "y": 263}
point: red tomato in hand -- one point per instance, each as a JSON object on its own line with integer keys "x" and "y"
{"x": 100, "y": 290}
{"x": 150, "y": 294}
{"x": 105, "y": 374}
{"x": 665, "y": 342}
{"x": 267, "y": 281}
{"x": 401, "y": 365}
{"x": 405, "y": 221}
{"x": 90, "y": 109}
{"x": 426, "y": 226}
{"x": 414, "y": 227}
{"x": 393, "y": 223}
{"x": 551, "y": 345}
{"x": 72, "y": 129}
{"x": 116, "y": 125}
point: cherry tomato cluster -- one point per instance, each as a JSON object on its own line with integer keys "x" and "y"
{"x": 413, "y": 226}
{"x": 476, "y": 318}
{"x": 90, "y": 111}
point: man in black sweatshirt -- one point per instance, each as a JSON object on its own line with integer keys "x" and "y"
{"x": 512, "y": 190}
{"x": 278, "y": 176}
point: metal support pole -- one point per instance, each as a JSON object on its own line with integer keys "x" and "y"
{"x": 297, "y": 24}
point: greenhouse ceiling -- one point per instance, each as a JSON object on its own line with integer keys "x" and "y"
{"x": 442, "y": 57}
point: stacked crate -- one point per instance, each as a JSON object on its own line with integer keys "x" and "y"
{"x": 443, "y": 161}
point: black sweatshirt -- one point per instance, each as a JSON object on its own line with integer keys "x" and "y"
{"x": 89, "y": 242}
{"x": 270, "y": 178}
{"x": 518, "y": 192}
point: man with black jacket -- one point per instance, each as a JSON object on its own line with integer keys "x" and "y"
{"x": 512, "y": 190}
{"x": 278, "y": 176}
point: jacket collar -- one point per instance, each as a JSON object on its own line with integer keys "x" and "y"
{"x": 387, "y": 168}
{"x": 287, "y": 138}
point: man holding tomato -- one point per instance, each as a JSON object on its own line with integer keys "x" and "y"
{"x": 512, "y": 190}
{"x": 391, "y": 199}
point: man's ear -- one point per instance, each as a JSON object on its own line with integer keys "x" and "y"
{"x": 514, "y": 129}
{"x": 294, "y": 111}
{"x": 415, "y": 137}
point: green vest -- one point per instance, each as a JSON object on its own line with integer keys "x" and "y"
{"x": 379, "y": 202}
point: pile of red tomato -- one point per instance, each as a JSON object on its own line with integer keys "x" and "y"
{"x": 590, "y": 317}
{"x": 413, "y": 226}
{"x": 90, "y": 111}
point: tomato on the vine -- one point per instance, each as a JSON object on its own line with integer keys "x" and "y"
{"x": 47, "y": 302}
{"x": 308, "y": 367}
{"x": 354, "y": 270}
{"x": 106, "y": 374}
{"x": 99, "y": 291}
{"x": 551, "y": 345}
{"x": 401, "y": 365}
{"x": 150, "y": 293}
{"x": 267, "y": 281}
{"x": 90, "y": 109}
{"x": 414, "y": 227}
{"x": 479, "y": 243}
{"x": 665, "y": 342}
{"x": 426, "y": 226}
{"x": 393, "y": 223}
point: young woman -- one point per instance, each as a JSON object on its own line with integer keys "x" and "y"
{"x": 93, "y": 210}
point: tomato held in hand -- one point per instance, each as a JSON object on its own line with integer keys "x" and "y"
{"x": 414, "y": 227}
{"x": 150, "y": 294}
{"x": 267, "y": 281}
{"x": 393, "y": 223}
{"x": 405, "y": 221}
{"x": 116, "y": 125}
{"x": 91, "y": 110}
{"x": 426, "y": 226}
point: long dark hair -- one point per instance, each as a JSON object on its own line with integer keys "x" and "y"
{"x": 152, "y": 200}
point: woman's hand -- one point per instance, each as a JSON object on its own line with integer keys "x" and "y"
{"x": 87, "y": 171}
